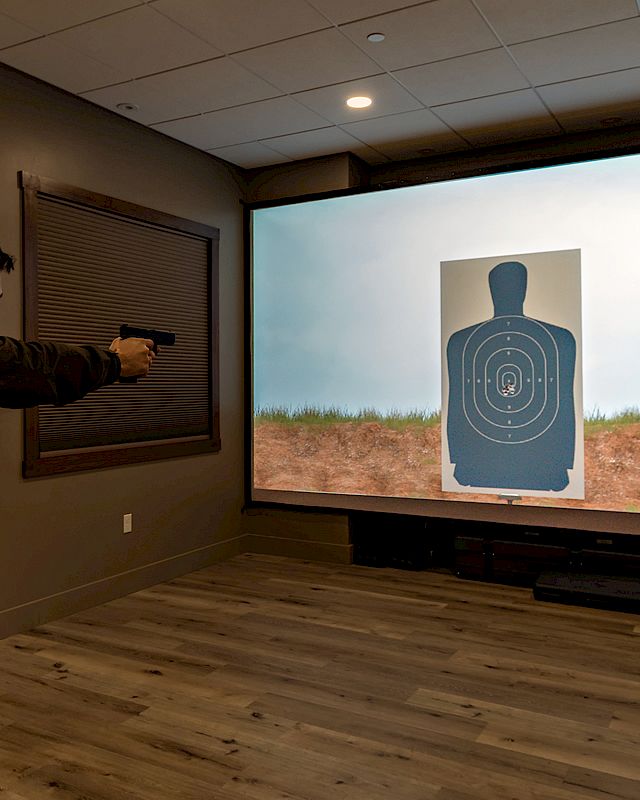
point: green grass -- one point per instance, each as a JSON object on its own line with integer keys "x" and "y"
{"x": 312, "y": 415}
{"x": 594, "y": 421}
{"x": 597, "y": 422}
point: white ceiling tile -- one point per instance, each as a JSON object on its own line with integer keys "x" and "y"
{"x": 602, "y": 91}
{"x": 12, "y": 32}
{"x": 313, "y": 143}
{"x": 243, "y": 124}
{"x": 586, "y": 102}
{"x": 46, "y": 59}
{"x": 47, "y": 16}
{"x": 521, "y": 20}
{"x": 307, "y": 62}
{"x": 244, "y": 23}
{"x": 415, "y": 148}
{"x": 582, "y": 53}
{"x": 185, "y": 91}
{"x": 499, "y": 118}
{"x": 417, "y": 128}
{"x": 251, "y": 154}
{"x": 138, "y": 42}
{"x": 387, "y": 95}
{"x": 513, "y": 132}
{"x": 591, "y": 120}
{"x": 421, "y": 34}
{"x": 339, "y": 11}
{"x": 463, "y": 78}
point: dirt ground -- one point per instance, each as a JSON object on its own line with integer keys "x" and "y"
{"x": 372, "y": 459}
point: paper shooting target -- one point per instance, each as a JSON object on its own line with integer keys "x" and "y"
{"x": 511, "y": 387}
{"x": 510, "y": 379}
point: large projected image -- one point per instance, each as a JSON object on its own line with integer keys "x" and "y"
{"x": 471, "y": 340}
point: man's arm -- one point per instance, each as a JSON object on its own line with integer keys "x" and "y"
{"x": 39, "y": 373}
{"x": 34, "y": 373}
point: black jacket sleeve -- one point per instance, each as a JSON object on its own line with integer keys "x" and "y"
{"x": 35, "y": 373}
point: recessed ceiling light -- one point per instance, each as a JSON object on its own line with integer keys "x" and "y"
{"x": 375, "y": 37}
{"x": 359, "y": 102}
{"x": 128, "y": 107}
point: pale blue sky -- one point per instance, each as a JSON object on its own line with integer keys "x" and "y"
{"x": 347, "y": 290}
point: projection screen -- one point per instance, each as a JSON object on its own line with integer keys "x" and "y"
{"x": 465, "y": 348}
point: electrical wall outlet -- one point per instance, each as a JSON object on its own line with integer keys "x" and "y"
{"x": 127, "y": 523}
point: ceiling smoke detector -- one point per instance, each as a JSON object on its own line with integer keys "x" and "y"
{"x": 128, "y": 107}
{"x": 375, "y": 37}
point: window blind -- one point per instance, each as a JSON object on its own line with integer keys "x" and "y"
{"x": 97, "y": 268}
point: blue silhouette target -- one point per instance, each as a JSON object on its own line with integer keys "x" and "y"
{"x": 510, "y": 379}
{"x": 511, "y": 416}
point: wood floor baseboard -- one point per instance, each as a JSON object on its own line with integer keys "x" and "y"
{"x": 298, "y": 534}
{"x": 78, "y": 598}
{"x": 299, "y": 548}
{"x": 41, "y": 610}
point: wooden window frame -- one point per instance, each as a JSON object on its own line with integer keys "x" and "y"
{"x": 38, "y": 464}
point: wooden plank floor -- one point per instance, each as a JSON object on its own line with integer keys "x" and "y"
{"x": 264, "y": 678}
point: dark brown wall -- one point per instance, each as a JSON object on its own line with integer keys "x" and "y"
{"x": 61, "y": 541}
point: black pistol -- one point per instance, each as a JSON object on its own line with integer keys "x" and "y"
{"x": 160, "y": 339}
